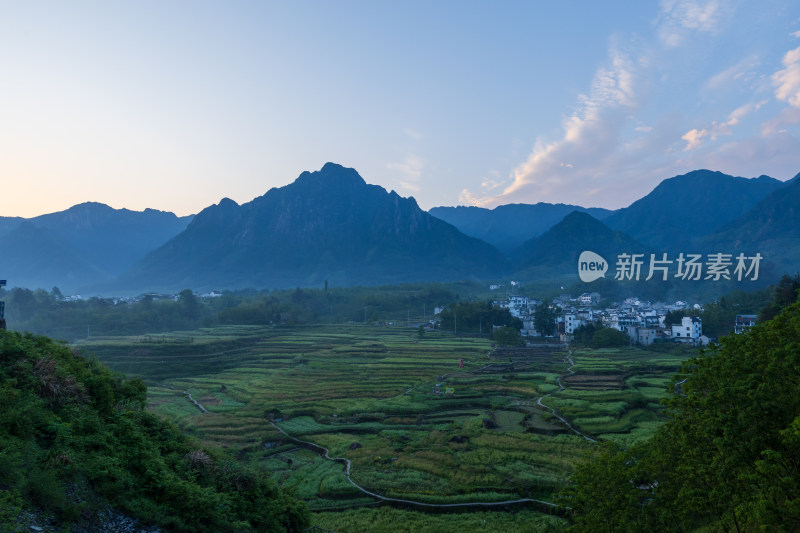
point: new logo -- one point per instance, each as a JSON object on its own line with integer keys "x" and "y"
{"x": 591, "y": 266}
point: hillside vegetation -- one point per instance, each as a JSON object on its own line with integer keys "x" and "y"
{"x": 74, "y": 440}
{"x": 728, "y": 458}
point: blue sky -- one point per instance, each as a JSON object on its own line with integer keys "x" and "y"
{"x": 175, "y": 105}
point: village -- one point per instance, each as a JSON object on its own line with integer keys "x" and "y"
{"x": 644, "y": 322}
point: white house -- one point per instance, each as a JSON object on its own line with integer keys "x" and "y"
{"x": 589, "y": 298}
{"x": 689, "y": 330}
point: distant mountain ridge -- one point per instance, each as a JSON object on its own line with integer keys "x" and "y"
{"x": 112, "y": 239}
{"x": 508, "y": 226}
{"x": 771, "y": 228}
{"x": 554, "y": 254}
{"x": 328, "y": 225}
{"x": 34, "y": 257}
{"x": 683, "y": 208}
{"x": 80, "y": 246}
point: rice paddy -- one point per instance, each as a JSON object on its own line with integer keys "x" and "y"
{"x": 438, "y": 419}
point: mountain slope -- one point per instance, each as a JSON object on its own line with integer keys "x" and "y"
{"x": 80, "y": 449}
{"x": 327, "y": 225}
{"x": 508, "y": 226}
{"x": 33, "y": 257}
{"x": 686, "y": 207}
{"x": 9, "y": 223}
{"x": 111, "y": 239}
{"x": 771, "y": 227}
{"x": 554, "y": 254}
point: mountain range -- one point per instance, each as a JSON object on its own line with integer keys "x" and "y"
{"x": 508, "y": 226}
{"x": 81, "y": 246}
{"x": 328, "y": 225}
{"x": 331, "y": 226}
{"x": 683, "y": 208}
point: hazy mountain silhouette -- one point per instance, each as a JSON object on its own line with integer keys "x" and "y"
{"x": 9, "y": 223}
{"x": 771, "y": 227}
{"x": 554, "y": 254}
{"x": 83, "y": 245}
{"x": 508, "y": 226}
{"x": 326, "y": 225}
{"x": 331, "y": 225}
{"x": 33, "y": 258}
{"x": 111, "y": 239}
{"x": 684, "y": 208}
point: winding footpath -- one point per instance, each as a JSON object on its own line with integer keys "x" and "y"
{"x": 195, "y": 402}
{"x": 324, "y": 452}
{"x": 539, "y": 402}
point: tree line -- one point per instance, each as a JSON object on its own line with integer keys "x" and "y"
{"x": 49, "y": 313}
{"x": 728, "y": 456}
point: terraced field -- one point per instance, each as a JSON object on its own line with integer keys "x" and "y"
{"x": 370, "y": 394}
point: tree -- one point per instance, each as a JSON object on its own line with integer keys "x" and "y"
{"x": 544, "y": 319}
{"x": 727, "y": 458}
{"x": 784, "y": 294}
{"x": 609, "y": 338}
{"x": 56, "y": 293}
{"x": 507, "y": 336}
{"x": 189, "y": 304}
{"x": 476, "y": 317}
{"x": 583, "y": 334}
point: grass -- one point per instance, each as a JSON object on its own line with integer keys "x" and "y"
{"x": 390, "y": 520}
{"x": 367, "y": 394}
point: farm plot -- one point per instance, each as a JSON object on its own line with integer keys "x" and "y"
{"x": 614, "y": 393}
{"x": 413, "y": 422}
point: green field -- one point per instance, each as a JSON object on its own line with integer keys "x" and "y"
{"x": 368, "y": 394}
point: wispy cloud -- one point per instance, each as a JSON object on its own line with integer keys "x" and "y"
{"x": 787, "y": 81}
{"x": 742, "y": 70}
{"x": 490, "y": 185}
{"x": 487, "y": 186}
{"x": 622, "y": 138}
{"x": 789, "y": 116}
{"x": 587, "y": 134}
{"x": 467, "y": 198}
{"x": 694, "y": 137}
{"x": 410, "y": 170}
{"x": 679, "y": 18}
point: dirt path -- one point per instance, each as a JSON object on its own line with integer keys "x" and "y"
{"x": 195, "y": 402}
{"x": 540, "y": 403}
{"x": 324, "y": 452}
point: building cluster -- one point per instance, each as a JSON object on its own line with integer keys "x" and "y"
{"x": 152, "y": 296}
{"x": 524, "y": 308}
{"x": 644, "y": 322}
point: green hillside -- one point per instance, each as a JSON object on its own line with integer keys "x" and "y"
{"x": 75, "y": 440}
{"x": 728, "y": 458}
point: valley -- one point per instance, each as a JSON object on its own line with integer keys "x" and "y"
{"x": 413, "y": 424}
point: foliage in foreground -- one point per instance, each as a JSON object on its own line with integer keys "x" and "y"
{"x": 728, "y": 458}
{"x": 385, "y": 519}
{"x": 74, "y": 438}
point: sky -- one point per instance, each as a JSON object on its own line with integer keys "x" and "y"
{"x": 174, "y": 105}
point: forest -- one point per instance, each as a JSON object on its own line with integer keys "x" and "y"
{"x": 728, "y": 456}
{"x": 49, "y": 313}
{"x": 76, "y": 438}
